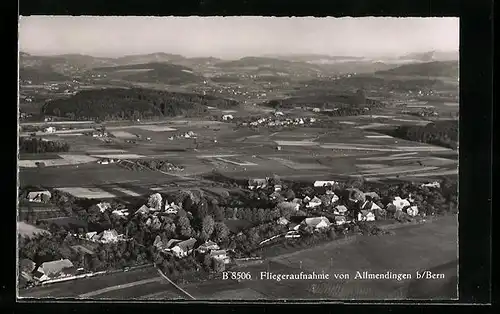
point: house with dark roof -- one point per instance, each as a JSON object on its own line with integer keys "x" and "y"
{"x": 317, "y": 222}
{"x": 207, "y": 247}
{"x": 366, "y": 215}
{"x": 220, "y": 255}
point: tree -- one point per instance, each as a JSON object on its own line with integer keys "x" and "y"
{"x": 155, "y": 201}
{"x": 289, "y": 194}
{"x": 184, "y": 227}
{"x": 207, "y": 227}
{"x": 221, "y": 231}
{"x": 218, "y": 265}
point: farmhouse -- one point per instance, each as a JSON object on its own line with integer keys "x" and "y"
{"x": 120, "y": 212}
{"x": 183, "y": 248}
{"x": 317, "y": 222}
{"x": 315, "y": 202}
{"x": 371, "y": 206}
{"x": 54, "y": 269}
{"x": 227, "y": 117}
{"x": 107, "y": 236}
{"x": 144, "y": 210}
{"x": 365, "y": 215}
{"x": 207, "y": 247}
{"x": 372, "y": 195}
{"x": 324, "y": 183}
{"x": 292, "y": 234}
{"x": 50, "y": 129}
{"x": 39, "y": 196}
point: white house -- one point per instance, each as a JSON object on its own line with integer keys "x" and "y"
{"x": 340, "y": 210}
{"x": 120, "y": 212}
{"x": 412, "y": 211}
{"x": 324, "y": 183}
{"x": 220, "y": 255}
{"x": 365, "y": 215}
{"x": 432, "y": 185}
{"x": 171, "y": 208}
{"x": 278, "y": 113}
{"x": 315, "y": 202}
{"x": 371, "y": 206}
{"x": 227, "y": 117}
{"x": 143, "y": 210}
{"x": 103, "y": 206}
{"x": 292, "y": 234}
{"x": 400, "y": 203}
{"x": 317, "y": 222}
{"x": 340, "y": 220}
{"x": 207, "y": 247}
{"x": 50, "y": 129}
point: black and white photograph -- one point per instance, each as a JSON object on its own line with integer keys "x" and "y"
{"x": 237, "y": 158}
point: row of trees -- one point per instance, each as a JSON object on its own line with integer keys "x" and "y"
{"x": 37, "y": 145}
{"x": 133, "y": 103}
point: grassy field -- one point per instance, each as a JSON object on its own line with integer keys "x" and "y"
{"x": 27, "y": 230}
{"x": 37, "y": 157}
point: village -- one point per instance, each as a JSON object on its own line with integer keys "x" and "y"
{"x": 325, "y": 211}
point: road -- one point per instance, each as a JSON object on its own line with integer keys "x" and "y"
{"x": 412, "y": 248}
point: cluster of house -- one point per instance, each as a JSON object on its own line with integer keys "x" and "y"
{"x": 183, "y": 248}
{"x": 189, "y": 134}
{"x": 280, "y": 122}
{"x": 171, "y": 208}
{"x": 38, "y": 196}
{"x": 50, "y": 129}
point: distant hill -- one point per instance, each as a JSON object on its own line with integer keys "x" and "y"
{"x": 41, "y": 75}
{"x": 429, "y": 69}
{"x": 134, "y": 103}
{"x": 270, "y": 64}
{"x": 159, "y": 57}
{"x": 151, "y": 73}
{"x": 430, "y": 56}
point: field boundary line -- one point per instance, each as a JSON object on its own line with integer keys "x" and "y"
{"x": 175, "y": 285}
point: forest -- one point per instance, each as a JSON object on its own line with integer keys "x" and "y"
{"x": 38, "y": 145}
{"x": 442, "y": 133}
{"x": 134, "y": 103}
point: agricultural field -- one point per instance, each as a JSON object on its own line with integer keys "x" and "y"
{"x": 27, "y": 231}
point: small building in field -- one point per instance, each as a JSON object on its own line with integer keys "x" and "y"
{"x": 227, "y": 117}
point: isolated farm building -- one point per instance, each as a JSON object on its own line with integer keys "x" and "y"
{"x": 317, "y": 222}
{"x": 279, "y": 113}
{"x": 324, "y": 183}
{"x": 365, "y": 215}
{"x": 207, "y": 247}
{"x": 288, "y": 206}
{"x": 220, "y": 255}
{"x": 50, "y": 129}
{"x": 39, "y": 196}
{"x": 432, "y": 185}
{"x": 306, "y": 199}
{"x": 227, "y": 117}
{"x": 315, "y": 202}
{"x": 54, "y": 269}
{"x": 400, "y": 203}
{"x": 340, "y": 209}
{"x": 412, "y": 211}
{"x": 278, "y": 187}
{"x": 103, "y": 206}
{"x": 282, "y": 221}
{"x": 183, "y": 248}
{"x": 171, "y": 208}
{"x": 340, "y": 220}
{"x": 257, "y": 183}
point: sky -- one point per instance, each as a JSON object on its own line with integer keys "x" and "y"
{"x": 236, "y": 37}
